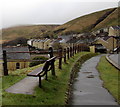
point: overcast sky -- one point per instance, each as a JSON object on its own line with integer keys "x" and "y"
{"x": 22, "y": 12}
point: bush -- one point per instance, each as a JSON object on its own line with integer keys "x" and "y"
{"x": 34, "y": 63}
{"x": 19, "y": 40}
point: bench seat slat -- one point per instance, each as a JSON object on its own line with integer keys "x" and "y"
{"x": 35, "y": 72}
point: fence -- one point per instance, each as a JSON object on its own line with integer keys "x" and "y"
{"x": 64, "y": 54}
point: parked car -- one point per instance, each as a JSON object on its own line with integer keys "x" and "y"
{"x": 100, "y": 48}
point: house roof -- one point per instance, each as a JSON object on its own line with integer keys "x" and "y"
{"x": 56, "y": 41}
{"x": 31, "y": 40}
{"x": 106, "y": 38}
{"x": 39, "y": 40}
{"x": 116, "y": 27}
{"x": 72, "y": 40}
{"x": 65, "y": 38}
{"x": 17, "y": 56}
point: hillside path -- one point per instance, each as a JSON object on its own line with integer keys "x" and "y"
{"x": 87, "y": 89}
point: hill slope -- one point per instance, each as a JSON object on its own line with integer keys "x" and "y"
{"x": 89, "y": 22}
{"x": 32, "y": 31}
{"x": 111, "y": 20}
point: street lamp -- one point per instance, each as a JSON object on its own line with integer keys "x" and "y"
{"x": 118, "y": 45}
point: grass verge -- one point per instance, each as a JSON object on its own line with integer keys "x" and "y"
{"x": 110, "y": 75}
{"x": 53, "y": 91}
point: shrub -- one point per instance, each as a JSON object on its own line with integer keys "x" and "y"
{"x": 41, "y": 58}
{"x": 56, "y": 46}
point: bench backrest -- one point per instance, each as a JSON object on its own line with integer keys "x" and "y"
{"x": 48, "y": 64}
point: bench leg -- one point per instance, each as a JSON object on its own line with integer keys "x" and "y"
{"x": 46, "y": 76}
{"x": 40, "y": 82}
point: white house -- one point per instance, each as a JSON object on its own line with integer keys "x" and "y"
{"x": 30, "y": 42}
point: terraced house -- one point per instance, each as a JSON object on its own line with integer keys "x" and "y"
{"x": 40, "y": 43}
{"x": 110, "y": 42}
{"x": 114, "y": 31}
{"x": 17, "y": 60}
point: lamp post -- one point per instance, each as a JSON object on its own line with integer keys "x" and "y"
{"x": 113, "y": 44}
{"x": 118, "y": 40}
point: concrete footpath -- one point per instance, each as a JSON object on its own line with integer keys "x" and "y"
{"x": 87, "y": 89}
{"x": 25, "y": 86}
{"x": 114, "y": 59}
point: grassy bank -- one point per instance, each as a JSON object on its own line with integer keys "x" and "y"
{"x": 109, "y": 74}
{"x": 53, "y": 91}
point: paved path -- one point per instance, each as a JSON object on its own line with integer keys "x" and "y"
{"x": 115, "y": 58}
{"x": 25, "y": 86}
{"x": 88, "y": 88}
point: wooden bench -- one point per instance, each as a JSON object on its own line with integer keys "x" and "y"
{"x": 40, "y": 72}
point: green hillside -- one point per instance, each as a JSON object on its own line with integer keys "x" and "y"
{"x": 89, "y": 22}
{"x": 28, "y": 32}
{"x": 111, "y": 20}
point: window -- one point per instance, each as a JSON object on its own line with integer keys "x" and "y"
{"x": 17, "y": 65}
